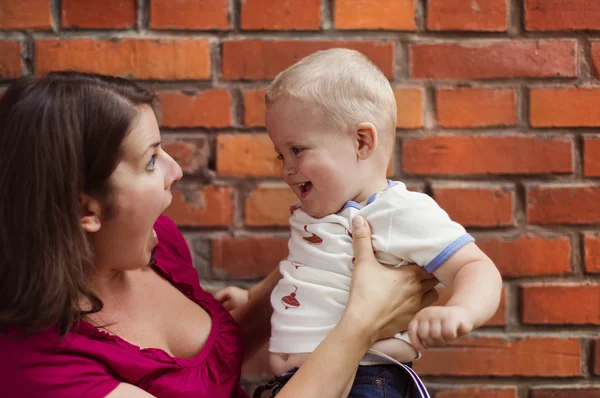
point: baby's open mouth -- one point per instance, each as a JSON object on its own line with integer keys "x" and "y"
{"x": 305, "y": 188}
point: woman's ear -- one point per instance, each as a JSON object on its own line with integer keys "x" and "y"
{"x": 366, "y": 140}
{"x": 90, "y": 213}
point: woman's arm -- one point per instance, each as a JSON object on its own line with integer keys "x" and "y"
{"x": 382, "y": 302}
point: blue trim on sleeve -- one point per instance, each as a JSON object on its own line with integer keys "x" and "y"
{"x": 448, "y": 252}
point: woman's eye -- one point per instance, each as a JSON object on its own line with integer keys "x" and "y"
{"x": 296, "y": 150}
{"x": 151, "y": 163}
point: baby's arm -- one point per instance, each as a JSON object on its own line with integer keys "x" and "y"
{"x": 476, "y": 286}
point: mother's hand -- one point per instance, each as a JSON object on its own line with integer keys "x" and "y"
{"x": 383, "y": 299}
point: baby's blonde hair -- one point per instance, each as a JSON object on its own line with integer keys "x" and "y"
{"x": 346, "y": 86}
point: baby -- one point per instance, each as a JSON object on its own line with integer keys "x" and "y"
{"x": 332, "y": 120}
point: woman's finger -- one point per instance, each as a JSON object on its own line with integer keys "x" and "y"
{"x": 361, "y": 235}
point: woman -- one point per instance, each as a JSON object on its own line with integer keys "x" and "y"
{"x": 98, "y": 295}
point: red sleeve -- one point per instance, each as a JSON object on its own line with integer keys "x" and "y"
{"x": 41, "y": 367}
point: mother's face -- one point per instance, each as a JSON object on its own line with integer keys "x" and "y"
{"x": 141, "y": 190}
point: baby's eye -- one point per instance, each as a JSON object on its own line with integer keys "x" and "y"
{"x": 296, "y": 150}
{"x": 280, "y": 157}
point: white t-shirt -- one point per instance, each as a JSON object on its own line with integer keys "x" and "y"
{"x": 309, "y": 300}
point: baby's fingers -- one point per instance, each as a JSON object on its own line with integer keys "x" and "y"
{"x": 415, "y": 341}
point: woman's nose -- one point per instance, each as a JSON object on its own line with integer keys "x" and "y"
{"x": 174, "y": 174}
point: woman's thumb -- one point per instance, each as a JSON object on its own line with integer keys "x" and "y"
{"x": 361, "y": 235}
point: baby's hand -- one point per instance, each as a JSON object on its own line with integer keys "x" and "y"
{"x": 437, "y": 326}
{"x": 232, "y": 297}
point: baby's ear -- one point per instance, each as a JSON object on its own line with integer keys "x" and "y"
{"x": 90, "y": 213}
{"x": 366, "y": 140}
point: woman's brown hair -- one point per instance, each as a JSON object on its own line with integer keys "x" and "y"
{"x": 60, "y": 137}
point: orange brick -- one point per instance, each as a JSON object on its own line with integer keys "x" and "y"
{"x": 201, "y": 207}
{"x": 479, "y": 15}
{"x": 374, "y": 14}
{"x": 269, "y": 205}
{"x": 560, "y": 305}
{"x": 11, "y": 63}
{"x": 554, "y": 357}
{"x": 100, "y": 14}
{"x": 247, "y": 256}
{"x": 246, "y": 155}
{"x": 264, "y": 59}
{"x": 254, "y": 107}
{"x": 591, "y": 157}
{"x": 20, "y": 14}
{"x": 189, "y": 14}
{"x": 570, "y": 204}
{"x": 592, "y": 252}
{"x": 596, "y": 58}
{"x": 409, "y": 102}
{"x": 211, "y": 108}
{"x": 191, "y": 153}
{"x": 508, "y": 154}
{"x": 565, "y": 392}
{"x": 528, "y": 255}
{"x": 499, "y": 318}
{"x": 476, "y": 207}
{"x": 134, "y": 58}
{"x": 562, "y": 15}
{"x": 476, "y": 107}
{"x": 281, "y": 15}
{"x": 564, "y": 107}
{"x": 494, "y": 59}
{"x": 479, "y": 392}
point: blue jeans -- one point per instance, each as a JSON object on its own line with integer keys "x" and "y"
{"x": 379, "y": 381}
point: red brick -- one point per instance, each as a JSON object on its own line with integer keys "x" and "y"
{"x": 499, "y": 318}
{"x": 191, "y": 153}
{"x": 596, "y": 58}
{"x": 597, "y": 357}
{"x": 562, "y": 15}
{"x": 479, "y": 392}
{"x": 571, "y": 204}
{"x": 281, "y": 15}
{"x": 591, "y": 157}
{"x": 476, "y": 207}
{"x": 409, "y": 104}
{"x": 134, "y": 58}
{"x": 375, "y": 14}
{"x": 476, "y": 107}
{"x": 100, "y": 14}
{"x": 264, "y": 59}
{"x": 269, "y": 205}
{"x": 246, "y": 155}
{"x": 30, "y": 14}
{"x": 201, "y": 207}
{"x": 189, "y": 14}
{"x": 247, "y": 256}
{"x": 560, "y": 305}
{"x": 592, "y": 252}
{"x": 480, "y": 15}
{"x": 564, "y": 107}
{"x": 11, "y": 63}
{"x": 565, "y": 392}
{"x": 494, "y": 59}
{"x": 254, "y": 107}
{"x": 528, "y": 255}
{"x": 508, "y": 154}
{"x": 495, "y": 356}
{"x": 211, "y": 108}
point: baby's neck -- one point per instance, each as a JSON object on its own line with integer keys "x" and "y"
{"x": 373, "y": 185}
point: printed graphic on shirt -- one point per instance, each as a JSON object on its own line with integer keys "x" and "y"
{"x": 291, "y": 301}
{"x": 314, "y": 239}
{"x": 297, "y": 265}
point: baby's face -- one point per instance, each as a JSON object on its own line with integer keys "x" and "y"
{"x": 320, "y": 165}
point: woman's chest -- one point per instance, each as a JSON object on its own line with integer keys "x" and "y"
{"x": 155, "y": 314}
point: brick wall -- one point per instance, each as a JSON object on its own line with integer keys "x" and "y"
{"x": 498, "y": 109}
